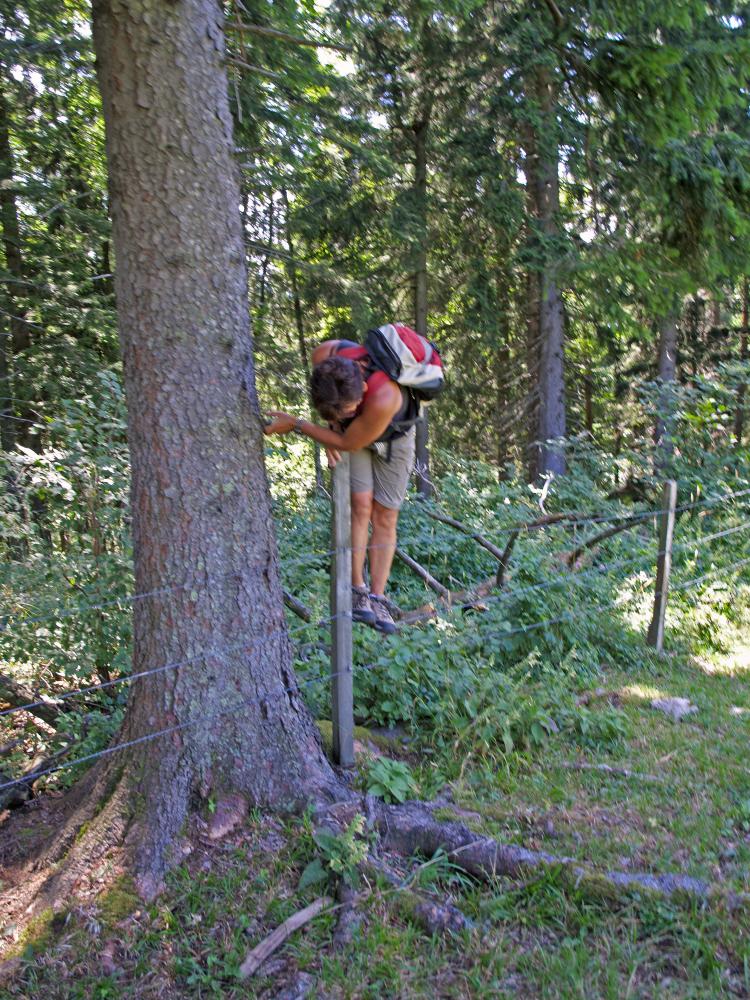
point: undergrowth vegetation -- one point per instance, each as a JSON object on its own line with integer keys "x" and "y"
{"x": 501, "y": 674}
{"x": 503, "y": 709}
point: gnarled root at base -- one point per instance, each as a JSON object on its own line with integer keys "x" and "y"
{"x": 411, "y": 829}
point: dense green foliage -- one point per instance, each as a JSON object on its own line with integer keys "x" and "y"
{"x": 652, "y": 220}
{"x": 381, "y": 148}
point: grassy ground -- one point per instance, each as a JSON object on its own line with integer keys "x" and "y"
{"x": 685, "y": 806}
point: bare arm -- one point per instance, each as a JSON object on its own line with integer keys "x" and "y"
{"x": 363, "y": 430}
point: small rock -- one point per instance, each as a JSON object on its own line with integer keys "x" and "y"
{"x": 675, "y": 708}
{"x": 736, "y": 710}
{"x": 230, "y": 812}
{"x": 9, "y": 969}
{"x": 298, "y": 989}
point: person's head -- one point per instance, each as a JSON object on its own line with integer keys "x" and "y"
{"x": 337, "y": 388}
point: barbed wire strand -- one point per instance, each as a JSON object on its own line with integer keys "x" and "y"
{"x": 324, "y": 678}
{"x": 572, "y": 579}
{"x": 316, "y": 555}
{"x": 174, "y": 665}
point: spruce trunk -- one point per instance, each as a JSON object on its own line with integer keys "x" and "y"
{"x": 551, "y": 315}
{"x": 201, "y": 510}
{"x": 667, "y": 377}
{"x": 739, "y": 413}
{"x": 425, "y": 488}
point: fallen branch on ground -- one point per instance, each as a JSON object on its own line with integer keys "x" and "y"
{"x": 606, "y": 769}
{"x": 423, "y": 574}
{"x": 295, "y": 605}
{"x": 465, "y": 530}
{"x": 275, "y": 939}
{"x": 596, "y": 539}
{"x": 21, "y": 791}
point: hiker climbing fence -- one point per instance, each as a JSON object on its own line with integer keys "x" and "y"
{"x": 342, "y": 668}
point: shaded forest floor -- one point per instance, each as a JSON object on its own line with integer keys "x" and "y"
{"x": 677, "y": 799}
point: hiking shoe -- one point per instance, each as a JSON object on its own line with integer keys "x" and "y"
{"x": 383, "y": 619}
{"x": 361, "y": 608}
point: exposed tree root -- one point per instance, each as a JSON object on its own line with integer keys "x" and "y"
{"x": 411, "y": 828}
{"x": 102, "y": 824}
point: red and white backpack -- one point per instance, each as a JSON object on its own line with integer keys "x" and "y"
{"x": 408, "y": 358}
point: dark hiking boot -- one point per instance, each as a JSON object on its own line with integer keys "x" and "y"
{"x": 361, "y": 608}
{"x": 383, "y": 618}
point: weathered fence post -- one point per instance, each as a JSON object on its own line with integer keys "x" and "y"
{"x": 342, "y": 699}
{"x": 655, "y": 635}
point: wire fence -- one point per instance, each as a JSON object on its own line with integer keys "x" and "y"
{"x": 561, "y": 582}
{"x": 309, "y": 682}
{"x": 561, "y": 519}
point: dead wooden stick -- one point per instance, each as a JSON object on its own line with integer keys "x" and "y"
{"x": 421, "y": 572}
{"x": 283, "y": 932}
{"x": 465, "y": 530}
{"x": 622, "y": 772}
{"x": 505, "y": 558}
{"x": 295, "y": 605}
{"x": 283, "y": 36}
{"x": 16, "y": 695}
{"x": 235, "y": 60}
{"x": 601, "y": 537}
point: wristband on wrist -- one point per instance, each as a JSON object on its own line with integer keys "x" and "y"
{"x": 298, "y": 426}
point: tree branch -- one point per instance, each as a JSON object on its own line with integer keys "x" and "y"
{"x": 283, "y": 36}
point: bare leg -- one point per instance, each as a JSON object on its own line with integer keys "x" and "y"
{"x": 382, "y": 546}
{"x": 361, "y": 512}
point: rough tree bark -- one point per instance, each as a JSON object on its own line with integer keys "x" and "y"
{"x": 200, "y": 502}
{"x": 667, "y": 377}
{"x": 422, "y": 455}
{"x": 543, "y": 196}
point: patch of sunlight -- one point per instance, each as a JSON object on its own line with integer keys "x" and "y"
{"x": 736, "y": 662}
{"x": 643, "y": 691}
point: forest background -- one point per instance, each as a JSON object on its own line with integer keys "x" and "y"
{"x": 557, "y": 195}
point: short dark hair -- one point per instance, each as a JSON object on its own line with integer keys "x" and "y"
{"x": 334, "y": 383}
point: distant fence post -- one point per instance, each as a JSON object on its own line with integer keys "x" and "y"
{"x": 655, "y": 635}
{"x": 342, "y": 697}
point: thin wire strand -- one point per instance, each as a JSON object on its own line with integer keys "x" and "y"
{"x": 315, "y": 555}
{"x": 566, "y": 616}
{"x": 572, "y": 579}
{"x": 126, "y": 678}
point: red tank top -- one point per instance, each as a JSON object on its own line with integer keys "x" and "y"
{"x": 374, "y": 378}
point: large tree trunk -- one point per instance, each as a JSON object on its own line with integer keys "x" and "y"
{"x": 552, "y": 320}
{"x": 15, "y": 330}
{"x": 422, "y": 455}
{"x": 739, "y": 413}
{"x": 503, "y": 379}
{"x": 667, "y": 376}
{"x": 200, "y": 502}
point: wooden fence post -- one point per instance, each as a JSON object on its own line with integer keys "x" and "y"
{"x": 655, "y": 635}
{"x": 342, "y": 698}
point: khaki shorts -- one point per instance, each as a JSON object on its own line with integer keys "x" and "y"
{"x": 387, "y": 481}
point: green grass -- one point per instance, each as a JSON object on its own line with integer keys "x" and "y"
{"x": 541, "y": 938}
{"x": 497, "y": 722}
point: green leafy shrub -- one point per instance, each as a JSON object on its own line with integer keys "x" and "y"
{"x": 390, "y": 780}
